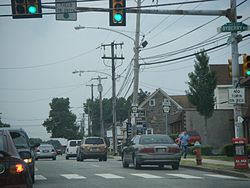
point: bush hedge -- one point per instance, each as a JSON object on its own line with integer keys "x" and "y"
{"x": 205, "y": 150}
{"x": 228, "y": 150}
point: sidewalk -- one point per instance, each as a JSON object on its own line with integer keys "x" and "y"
{"x": 218, "y": 166}
{"x": 212, "y": 165}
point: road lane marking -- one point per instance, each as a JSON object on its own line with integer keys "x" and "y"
{"x": 110, "y": 176}
{"x": 147, "y": 175}
{"x": 40, "y": 177}
{"x": 185, "y": 176}
{"x": 221, "y": 176}
{"x": 73, "y": 176}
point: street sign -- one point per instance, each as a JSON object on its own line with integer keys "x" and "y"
{"x": 236, "y": 96}
{"x": 66, "y": 10}
{"x": 233, "y": 26}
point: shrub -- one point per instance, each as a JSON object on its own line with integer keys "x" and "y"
{"x": 228, "y": 150}
{"x": 205, "y": 150}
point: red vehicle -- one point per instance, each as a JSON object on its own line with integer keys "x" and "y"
{"x": 13, "y": 170}
{"x": 193, "y": 137}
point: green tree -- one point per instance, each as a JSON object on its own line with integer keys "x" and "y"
{"x": 61, "y": 122}
{"x": 201, "y": 87}
{"x": 3, "y": 124}
{"x": 122, "y": 108}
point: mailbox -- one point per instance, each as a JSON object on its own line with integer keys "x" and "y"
{"x": 240, "y": 153}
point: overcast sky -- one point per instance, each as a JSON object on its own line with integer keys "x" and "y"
{"x": 39, "y": 55}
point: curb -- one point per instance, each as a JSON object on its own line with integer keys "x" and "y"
{"x": 219, "y": 171}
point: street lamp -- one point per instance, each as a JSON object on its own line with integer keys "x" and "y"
{"x": 166, "y": 108}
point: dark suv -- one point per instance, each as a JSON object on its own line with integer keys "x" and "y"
{"x": 25, "y": 149}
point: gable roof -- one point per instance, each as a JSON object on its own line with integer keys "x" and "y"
{"x": 183, "y": 101}
{"x": 163, "y": 93}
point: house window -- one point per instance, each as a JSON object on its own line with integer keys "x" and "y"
{"x": 152, "y": 102}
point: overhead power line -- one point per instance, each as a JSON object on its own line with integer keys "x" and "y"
{"x": 186, "y": 56}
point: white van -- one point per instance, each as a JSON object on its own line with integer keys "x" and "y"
{"x": 71, "y": 148}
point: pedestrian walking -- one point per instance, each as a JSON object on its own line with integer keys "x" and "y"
{"x": 184, "y": 143}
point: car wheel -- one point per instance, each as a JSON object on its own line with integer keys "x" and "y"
{"x": 104, "y": 158}
{"x": 54, "y": 158}
{"x": 67, "y": 157}
{"x": 175, "y": 166}
{"x": 80, "y": 157}
{"x": 124, "y": 163}
{"x": 33, "y": 177}
{"x": 136, "y": 164}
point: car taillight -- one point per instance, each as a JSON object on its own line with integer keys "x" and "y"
{"x": 17, "y": 168}
{"x": 146, "y": 150}
{"x": 174, "y": 150}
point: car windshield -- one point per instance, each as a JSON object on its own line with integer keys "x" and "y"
{"x": 156, "y": 139}
{"x": 94, "y": 141}
{"x": 45, "y": 146}
{"x": 19, "y": 140}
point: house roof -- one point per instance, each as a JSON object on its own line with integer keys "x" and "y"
{"x": 154, "y": 93}
{"x": 183, "y": 101}
{"x": 222, "y": 73}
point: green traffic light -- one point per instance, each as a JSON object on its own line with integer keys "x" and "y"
{"x": 248, "y": 73}
{"x": 118, "y": 17}
{"x": 32, "y": 9}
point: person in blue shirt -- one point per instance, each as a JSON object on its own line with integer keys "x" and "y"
{"x": 184, "y": 143}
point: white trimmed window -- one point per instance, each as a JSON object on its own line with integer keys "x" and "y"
{"x": 152, "y": 102}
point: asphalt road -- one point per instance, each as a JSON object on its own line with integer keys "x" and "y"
{"x": 94, "y": 174}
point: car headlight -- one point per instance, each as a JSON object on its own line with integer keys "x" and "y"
{"x": 28, "y": 160}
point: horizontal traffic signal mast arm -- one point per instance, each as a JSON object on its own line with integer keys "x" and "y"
{"x": 151, "y": 11}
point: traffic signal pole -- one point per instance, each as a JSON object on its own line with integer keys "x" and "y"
{"x": 238, "y": 128}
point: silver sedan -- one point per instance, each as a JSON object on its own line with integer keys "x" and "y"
{"x": 152, "y": 149}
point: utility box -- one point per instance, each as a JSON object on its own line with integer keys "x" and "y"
{"x": 240, "y": 153}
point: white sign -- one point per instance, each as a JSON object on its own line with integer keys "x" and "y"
{"x": 67, "y": 8}
{"x": 236, "y": 96}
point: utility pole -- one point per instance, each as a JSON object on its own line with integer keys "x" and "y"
{"x": 113, "y": 58}
{"x": 100, "y": 89}
{"x": 136, "y": 70}
{"x": 90, "y": 110}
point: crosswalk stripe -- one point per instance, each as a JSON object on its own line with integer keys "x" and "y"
{"x": 185, "y": 176}
{"x": 110, "y": 176}
{"x": 147, "y": 175}
{"x": 221, "y": 176}
{"x": 40, "y": 177}
{"x": 73, "y": 176}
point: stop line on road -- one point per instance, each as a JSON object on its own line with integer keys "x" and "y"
{"x": 144, "y": 175}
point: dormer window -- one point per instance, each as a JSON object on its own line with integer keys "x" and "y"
{"x": 152, "y": 102}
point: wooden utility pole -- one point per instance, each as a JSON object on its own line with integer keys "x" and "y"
{"x": 113, "y": 58}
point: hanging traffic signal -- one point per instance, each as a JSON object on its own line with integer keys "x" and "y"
{"x": 230, "y": 67}
{"x": 246, "y": 65}
{"x": 26, "y": 9}
{"x": 117, "y": 14}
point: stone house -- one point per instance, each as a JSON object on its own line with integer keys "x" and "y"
{"x": 183, "y": 115}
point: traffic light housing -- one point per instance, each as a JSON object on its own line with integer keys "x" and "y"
{"x": 26, "y": 9}
{"x": 246, "y": 65}
{"x": 117, "y": 13}
{"x": 230, "y": 67}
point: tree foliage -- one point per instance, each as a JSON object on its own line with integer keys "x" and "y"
{"x": 201, "y": 86}
{"x": 61, "y": 122}
{"x": 4, "y": 124}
